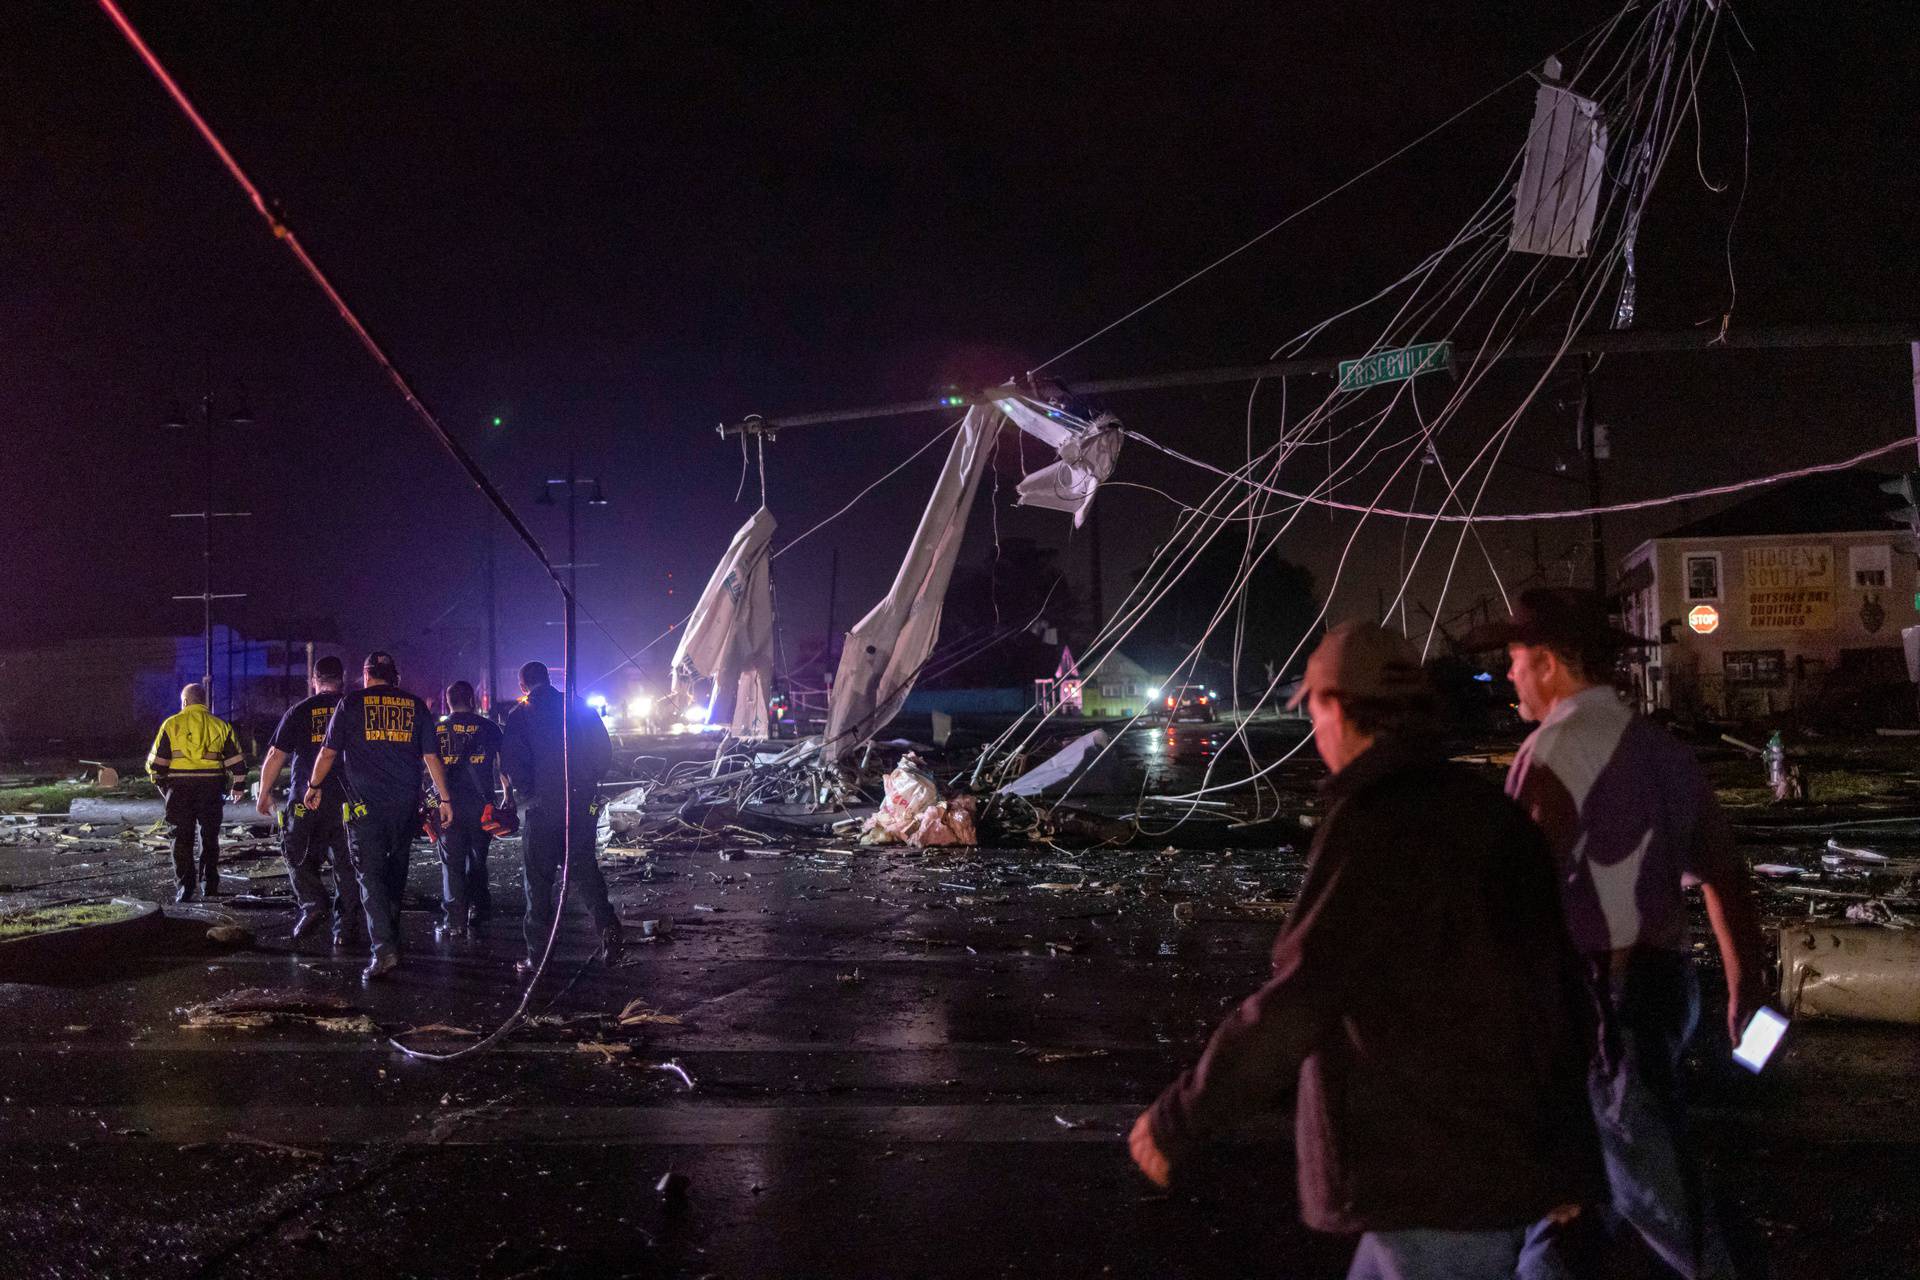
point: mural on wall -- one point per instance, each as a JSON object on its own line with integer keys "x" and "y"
{"x": 1789, "y": 588}
{"x": 1873, "y": 614}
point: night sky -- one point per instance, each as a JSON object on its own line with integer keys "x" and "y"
{"x": 615, "y": 225}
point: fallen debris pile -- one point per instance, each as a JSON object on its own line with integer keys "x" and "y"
{"x": 914, "y": 813}
{"x": 257, "y": 1007}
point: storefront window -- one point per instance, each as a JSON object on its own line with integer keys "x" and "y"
{"x": 1703, "y": 576}
{"x": 1755, "y": 666}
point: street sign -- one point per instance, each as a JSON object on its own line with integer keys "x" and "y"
{"x": 1704, "y": 618}
{"x": 1395, "y": 366}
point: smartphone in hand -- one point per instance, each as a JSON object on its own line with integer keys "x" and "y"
{"x": 1760, "y": 1039}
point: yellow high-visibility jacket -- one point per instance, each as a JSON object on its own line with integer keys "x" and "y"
{"x": 196, "y": 746}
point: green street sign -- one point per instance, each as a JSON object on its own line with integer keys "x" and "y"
{"x": 1395, "y": 366}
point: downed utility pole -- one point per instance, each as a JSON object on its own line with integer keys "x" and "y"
{"x": 1626, "y": 342}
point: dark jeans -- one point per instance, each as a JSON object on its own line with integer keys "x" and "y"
{"x": 199, "y": 805}
{"x": 381, "y": 843}
{"x": 543, "y": 837}
{"x": 463, "y": 868}
{"x": 314, "y": 838}
{"x": 1436, "y": 1255}
{"x": 1648, "y": 1012}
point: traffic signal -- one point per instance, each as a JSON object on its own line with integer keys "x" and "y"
{"x": 1906, "y": 487}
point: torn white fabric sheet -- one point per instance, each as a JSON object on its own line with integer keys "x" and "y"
{"x": 1087, "y": 456}
{"x": 729, "y": 637}
{"x": 886, "y": 649}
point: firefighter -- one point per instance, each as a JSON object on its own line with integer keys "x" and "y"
{"x": 310, "y": 839}
{"x": 380, "y": 735}
{"x": 196, "y": 761}
{"x": 470, "y": 752}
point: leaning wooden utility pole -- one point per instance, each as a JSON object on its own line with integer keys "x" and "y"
{"x": 1591, "y": 448}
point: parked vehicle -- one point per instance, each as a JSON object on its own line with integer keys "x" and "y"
{"x": 1190, "y": 704}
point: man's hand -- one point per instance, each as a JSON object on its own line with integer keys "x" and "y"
{"x": 264, "y": 804}
{"x": 1146, "y": 1153}
{"x": 238, "y": 795}
{"x": 446, "y": 815}
{"x": 311, "y": 798}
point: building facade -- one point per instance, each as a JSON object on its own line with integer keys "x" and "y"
{"x": 1779, "y": 604}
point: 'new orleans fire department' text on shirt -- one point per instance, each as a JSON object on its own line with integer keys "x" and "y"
{"x": 382, "y": 735}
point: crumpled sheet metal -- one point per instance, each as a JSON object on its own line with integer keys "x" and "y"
{"x": 1862, "y": 971}
{"x": 1088, "y": 452}
{"x": 1062, "y": 770}
{"x": 729, "y": 636}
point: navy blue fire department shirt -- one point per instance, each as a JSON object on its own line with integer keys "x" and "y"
{"x": 301, "y": 733}
{"x": 382, "y": 735}
{"x": 470, "y": 749}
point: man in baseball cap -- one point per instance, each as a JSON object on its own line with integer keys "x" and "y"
{"x": 1631, "y": 820}
{"x": 1424, "y": 1000}
{"x": 1365, "y": 662}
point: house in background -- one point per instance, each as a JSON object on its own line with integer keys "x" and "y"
{"x": 1789, "y": 598}
{"x": 1120, "y": 689}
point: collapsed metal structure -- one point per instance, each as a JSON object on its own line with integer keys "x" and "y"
{"x": 1551, "y": 248}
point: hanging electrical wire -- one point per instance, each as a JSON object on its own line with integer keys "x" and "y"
{"x": 1636, "y": 83}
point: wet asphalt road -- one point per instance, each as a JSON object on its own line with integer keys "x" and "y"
{"x": 902, "y": 1064}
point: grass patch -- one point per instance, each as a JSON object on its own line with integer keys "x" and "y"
{"x": 57, "y": 797}
{"x": 52, "y": 798}
{"x": 21, "y": 924}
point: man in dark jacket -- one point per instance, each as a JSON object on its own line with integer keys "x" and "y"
{"x": 531, "y": 761}
{"x": 1423, "y": 1000}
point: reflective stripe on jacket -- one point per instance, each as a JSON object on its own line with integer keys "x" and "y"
{"x": 195, "y": 743}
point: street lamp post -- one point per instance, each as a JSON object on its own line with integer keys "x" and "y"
{"x": 207, "y": 515}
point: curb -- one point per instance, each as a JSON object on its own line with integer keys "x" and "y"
{"x": 55, "y": 956}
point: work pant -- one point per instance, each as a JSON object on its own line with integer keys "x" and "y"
{"x": 381, "y": 841}
{"x": 312, "y": 839}
{"x": 196, "y": 804}
{"x": 1649, "y": 1010}
{"x": 463, "y": 868}
{"x": 542, "y": 840}
{"x": 1436, "y": 1255}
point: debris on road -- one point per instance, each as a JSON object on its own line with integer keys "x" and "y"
{"x": 673, "y": 1067}
{"x": 255, "y": 1007}
{"x": 1047, "y": 1057}
{"x": 637, "y": 1014}
{"x": 914, "y": 813}
{"x": 1861, "y": 971}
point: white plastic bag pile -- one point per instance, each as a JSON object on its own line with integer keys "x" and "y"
{"x": 914, "y": 814}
